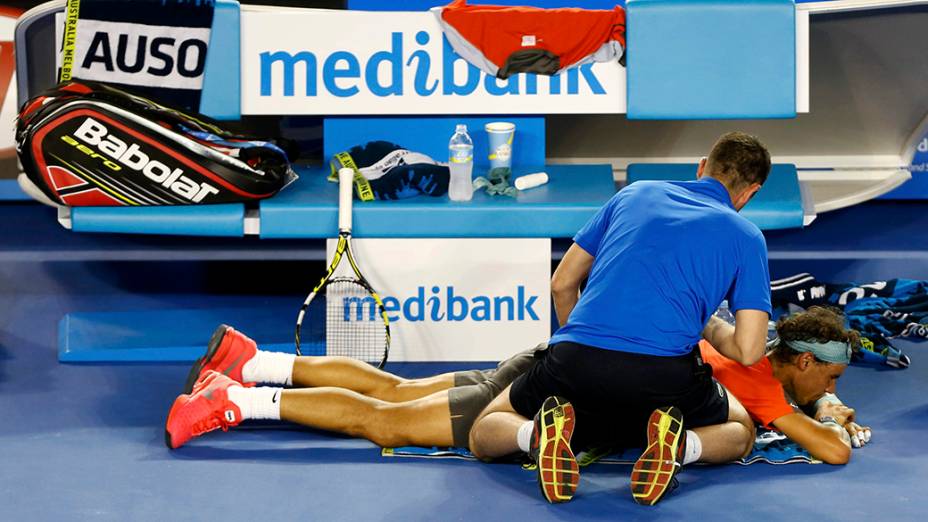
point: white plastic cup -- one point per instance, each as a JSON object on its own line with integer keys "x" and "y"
{"x": 500, "y": 135}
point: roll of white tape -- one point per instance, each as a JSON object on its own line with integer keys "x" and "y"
{"x": 531, "y": 180}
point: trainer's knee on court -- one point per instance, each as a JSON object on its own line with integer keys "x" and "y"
{"x": 480, "y": 437}
{"x": 483, "y": 439}
{"x": 737, "y": 413}
{"x": 477, "y": 440}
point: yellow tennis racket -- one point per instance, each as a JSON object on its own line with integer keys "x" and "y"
{"x": 355, "y": 323}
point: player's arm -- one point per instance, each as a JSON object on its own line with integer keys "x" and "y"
{"x": 827, "y": 441}
{"x": 565, "y": 283}
{"x": 745, "y": 342}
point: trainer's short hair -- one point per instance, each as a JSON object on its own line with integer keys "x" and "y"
{"x": 738, "y": 159}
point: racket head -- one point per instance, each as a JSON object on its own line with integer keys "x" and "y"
{"x": 349, "y": 320}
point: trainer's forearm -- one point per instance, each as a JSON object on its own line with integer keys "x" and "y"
{"x": 565, "y": 300}
{"x": 721, "y": 336}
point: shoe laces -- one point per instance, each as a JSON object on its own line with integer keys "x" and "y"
{"x": 210, "y": 423}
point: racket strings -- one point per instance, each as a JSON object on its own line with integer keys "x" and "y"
{"x": 354, "y": 325}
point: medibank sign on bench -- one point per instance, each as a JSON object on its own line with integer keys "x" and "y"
{"x": 351, "y": 62}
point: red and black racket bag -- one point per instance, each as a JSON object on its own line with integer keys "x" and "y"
{"x": 88, "y": 144}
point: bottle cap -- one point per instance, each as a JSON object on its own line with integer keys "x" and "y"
{"x": 461, "y": 128}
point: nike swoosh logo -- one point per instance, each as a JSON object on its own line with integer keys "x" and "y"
{"x": 232, "y": 366}
{"x": 276, "y": 395}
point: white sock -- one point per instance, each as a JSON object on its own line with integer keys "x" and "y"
{"x": 693, "y": 448}
{"x": 256, "y": 403}
{"x": 270, "y": 367}
{"x": 524, "y": 437}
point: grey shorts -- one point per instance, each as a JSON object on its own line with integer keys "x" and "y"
{"x": 474, "y": 389}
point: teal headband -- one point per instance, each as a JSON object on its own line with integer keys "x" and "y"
{"x": 835, "y": 352}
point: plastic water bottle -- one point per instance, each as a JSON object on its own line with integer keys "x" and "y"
{"x": 724, "y": 313}
{"x": 461, "y": 165}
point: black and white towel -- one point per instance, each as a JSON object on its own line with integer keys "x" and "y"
{"x": 156, "y": 48}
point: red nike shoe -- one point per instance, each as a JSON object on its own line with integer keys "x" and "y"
{"x": 206, "y": 410}
{"x": 227, "y": 352}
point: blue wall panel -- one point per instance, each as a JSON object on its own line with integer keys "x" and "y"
{"x": 711, "y": 59}
{"x": 221, "y": 98}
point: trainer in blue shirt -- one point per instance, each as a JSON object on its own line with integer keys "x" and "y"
{"x": 658, "y": 259}
{"x": 647, "y": 292}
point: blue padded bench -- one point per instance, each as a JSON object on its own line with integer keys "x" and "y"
{"x": 711, "y": 59}
{"x": 308, "y": 209}
{"x": 206, "y": 220}
{"x": 558, "y": 209}
{"x": 777, "y": 205}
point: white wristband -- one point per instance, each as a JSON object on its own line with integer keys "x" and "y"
{"x": 845, "y": 436}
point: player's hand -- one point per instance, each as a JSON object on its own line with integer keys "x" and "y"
{"x": 860, "y": 435}
{"x": 841, "y": 413}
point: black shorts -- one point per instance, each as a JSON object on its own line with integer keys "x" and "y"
{"x": 613, "y": 392}
{"x": 474, "y": 389}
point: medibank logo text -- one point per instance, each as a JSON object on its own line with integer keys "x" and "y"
{"x": 444, "y": 304}
{"x": 345, "y": 74}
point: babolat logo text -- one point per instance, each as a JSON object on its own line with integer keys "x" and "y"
{"x": 133, "y": 54}
{"x": 383, "y": 73}
{"x": 444, "y": 304}
{"x": 130, "y": 155}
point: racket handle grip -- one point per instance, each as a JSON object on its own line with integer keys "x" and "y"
{"x": 345, "y": 182}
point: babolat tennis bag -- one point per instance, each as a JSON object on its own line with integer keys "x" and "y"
{"x": 88, "y": 144}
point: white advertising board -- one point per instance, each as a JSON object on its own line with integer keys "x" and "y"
{"x": 459, "y": 299}
{"x": 317, "y": 61}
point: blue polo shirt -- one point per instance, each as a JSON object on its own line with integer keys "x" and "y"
{"x": 666, "y": 253}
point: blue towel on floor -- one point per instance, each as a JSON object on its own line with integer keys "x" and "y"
{"x": 770, "y": 447}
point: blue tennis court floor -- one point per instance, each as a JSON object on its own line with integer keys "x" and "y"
{"x": 82, "y": 442}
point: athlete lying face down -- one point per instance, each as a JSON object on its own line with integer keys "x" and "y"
{"x": 348, "y": 396}
{"x": 792, "y": 389}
